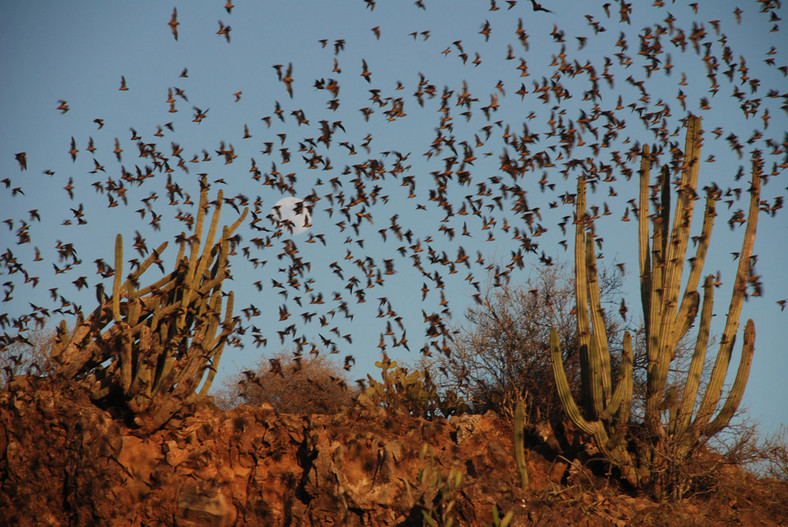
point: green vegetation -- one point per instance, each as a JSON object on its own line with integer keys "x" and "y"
{"x": 606, "y": 411}
{"x": 434, "y": 494}
{"x": 410, "y": 391}
{"x": 519, "y": 443}
{"x": 499, "y": 356}
{"x": 154, "y": 346}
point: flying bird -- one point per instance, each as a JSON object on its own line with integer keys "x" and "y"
{"x": 174, "y": 23}
{"x": 74, "y": 149}
{"x": 287, "y": 79}
{"x": 365, "y": 71}
{"x": 21, "y": 158}
{"x": 224, "y": 30}
{"x": 539, "y": 7}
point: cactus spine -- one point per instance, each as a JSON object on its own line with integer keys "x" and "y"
{"x": 668, "y": 317}
{"x": 154, "y": 345}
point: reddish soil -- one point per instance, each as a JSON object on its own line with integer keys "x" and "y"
{"x": 64, "y": 461}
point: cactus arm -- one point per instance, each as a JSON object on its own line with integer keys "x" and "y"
{"x": 600, "y": 349}
{"x": 581, "y": 288}
{"x": 218, "y": 347}
{"x": 519, "y": 443}
{"x": 594, "y": 391}
{"x": 664, "y": 212}
{"x": 145, "y": 366}
{"x": 116, "y": 289}
{"x": 689, "y": 303}
{"x": 672, "y": 260}
{"x": 156, "y": 286}
{"x": 581, "y": 317}
{"x": 674, "y": 254}
{"x": 699, "y": 259}
{"x": 628, "y": 381}
{"x": 562, "y": 385}
{"x": 621, "y": 401}
{"x": 591, "y": 369}
{"x": 656, "y": 282}
{"x": 193, "y": 254}
{"x": 681, "y": 325}
{"x": 206, "y": 253}
{"x": 240, "y": 220}
{"x": 690, "y": 393}
{"x": 714, "y": 389}
{"x": 737, "y": 390}
{"x": 682, "y": 217}
{"x": 154, "y": 255}
{"x": 126, "y": 365}
{"x": 614, "y": 451}
{"x": 166, "y": 357}
{"x": 644, "y": 252}
{"x": 661, "y": 305}
{"x": 179, "y": 258}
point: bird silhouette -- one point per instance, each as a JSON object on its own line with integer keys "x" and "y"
{"x": 224, "y": 31}
{"x": 173, "y": 23}
{"x": 21, "y": 158}
{"x": 493, "y": 146}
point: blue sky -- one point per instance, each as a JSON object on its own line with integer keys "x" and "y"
{"x": 78, "y": 52}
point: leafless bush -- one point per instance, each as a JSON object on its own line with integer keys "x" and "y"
{"x": 774, "y": 455}
{"x": 30, "y": 356}
{"x": 502, "y": 354}
{"x": 714, "y": 465}
{"x": 312, "y": 385}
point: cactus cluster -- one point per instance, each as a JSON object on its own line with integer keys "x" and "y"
{"x": 401, "y": 388}
{"x": 154, "y": 346}
{"x": 670, "y": 417}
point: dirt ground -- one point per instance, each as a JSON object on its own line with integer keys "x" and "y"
{"x": 63, "y": 461}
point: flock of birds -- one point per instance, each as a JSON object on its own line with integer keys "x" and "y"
{"x": 588, "y": 135}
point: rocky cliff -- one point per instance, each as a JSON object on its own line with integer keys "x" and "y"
{"x": 64, "y": 461}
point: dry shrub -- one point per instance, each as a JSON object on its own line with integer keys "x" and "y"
{"x": 502, "y": 355}
{"x": 774, "y": 450}
{"x": 31, "y": 356}
{"x": 313, "y": 385}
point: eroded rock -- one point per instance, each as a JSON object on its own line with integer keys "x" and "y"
{"x": 66, "y": 462}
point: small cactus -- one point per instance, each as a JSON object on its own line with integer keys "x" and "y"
{"x": 519, "y": 443}
{"x": 402, "y": 389}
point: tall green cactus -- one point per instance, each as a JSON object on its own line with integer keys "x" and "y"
{"x": 153, "y": 346}
{"x": 606, "y": 410}
{"x": 668, "y": 317}
{"x": 519, "y": 444}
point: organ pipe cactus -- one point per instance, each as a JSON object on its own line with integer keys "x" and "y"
{"x": 606, "y": 410}
{"x": 668, "y": 315}
{"x": 153, "y": 346}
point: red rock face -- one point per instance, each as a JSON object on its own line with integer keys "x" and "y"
{"x": 66, "y": 462}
